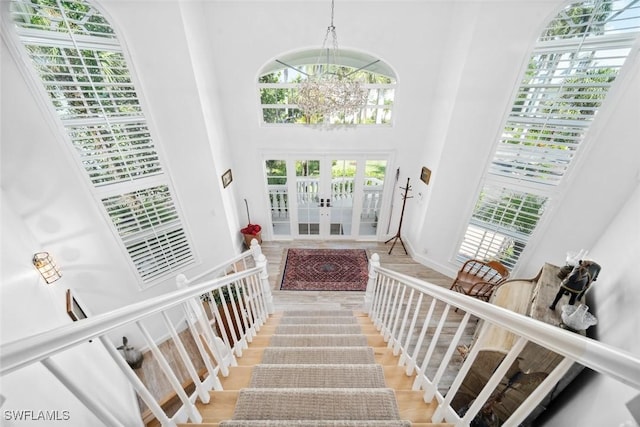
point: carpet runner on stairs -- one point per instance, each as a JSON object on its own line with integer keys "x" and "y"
{"x": 323, "y": 376}
{"x": 317, "y": 372}
{"x": 317, "y": 355}
{"x": 302, "y": 340}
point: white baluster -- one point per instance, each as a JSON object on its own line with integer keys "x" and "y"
{"x": 197, "y": 338}
{"x": 191, "y": 410}
{"x": 414, "y": 320}
{"x": 80, "y": 392}
{"x": 137, "y": 384}
{"x": 186, "y": 360}
{"x": 421, "y": 376}
{"x": 196, "y": 313}
{"x": 446, "y": 360}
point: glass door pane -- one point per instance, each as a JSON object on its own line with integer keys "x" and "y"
{"x": 307, "y": 187}
{"x": 276, "y": 174}
{"x": 343, "y": 174}
{"x": 375, "y": 171}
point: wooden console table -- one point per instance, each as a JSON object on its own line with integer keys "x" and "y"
{"x": 530, "y": 297}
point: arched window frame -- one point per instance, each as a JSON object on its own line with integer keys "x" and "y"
{"x": 279, "y": 81}
{"x": 572, "y": 67}
{"x": 85, "y": 78}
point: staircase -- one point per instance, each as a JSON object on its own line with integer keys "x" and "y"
{"x": 319, "y": 368}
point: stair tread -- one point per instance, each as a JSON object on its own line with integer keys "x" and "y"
{"x": 315, "y": 423}
{"x": 314, "y": 329}
{"x": 312, "y": 404}
{"x": 286, "y": 354}
{"x": 318, "y": 320}
{"x": 318, "y": 355}
{"x": 319, "y": 340}
{"x": 317, "y": 313}
{"x": 320, "y": 376}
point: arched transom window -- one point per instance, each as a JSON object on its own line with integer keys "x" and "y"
{"x": 278, "y": 84}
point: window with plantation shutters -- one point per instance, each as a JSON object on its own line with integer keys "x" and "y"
{"x": 502, "y": 222}
{"x": 80, "y": 62}
{"x": 115, "y": 152}
{"x": 150, "y": 227}
{"x": 571, "y": 69}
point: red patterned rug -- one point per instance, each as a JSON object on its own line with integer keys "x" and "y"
{"x": 325, "y": 270}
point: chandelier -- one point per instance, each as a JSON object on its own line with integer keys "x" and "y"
{"x": 330, "y": 91}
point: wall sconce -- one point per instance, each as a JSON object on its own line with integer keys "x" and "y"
{"x": 47, "y": 268}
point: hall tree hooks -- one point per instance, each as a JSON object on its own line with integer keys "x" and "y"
{"x": 397, "y": 237}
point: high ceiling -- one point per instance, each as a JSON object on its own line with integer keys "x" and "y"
{"x": 196, "y": 65}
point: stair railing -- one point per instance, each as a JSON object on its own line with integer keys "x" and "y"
{"x": 253, "y": 305}
{"x": 230, "y": 308}
{"x": 394, "y": 303}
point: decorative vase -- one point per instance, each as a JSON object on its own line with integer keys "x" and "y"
{"x": 133, "y": 357}
{"x": 250, "y": 232}
{"x": 577, "y": 318}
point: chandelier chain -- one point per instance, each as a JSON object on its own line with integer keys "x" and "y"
{"x": 329, "y": 92}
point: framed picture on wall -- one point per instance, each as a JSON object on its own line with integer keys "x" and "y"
{"x": 425, "y": 175}
{"x": 73, "y": 307}
{"x": 226, "y": 178}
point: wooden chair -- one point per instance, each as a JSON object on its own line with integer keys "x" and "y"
{"x": 479, "y": 279}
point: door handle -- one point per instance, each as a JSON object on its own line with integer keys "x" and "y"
{"x": 322, "y": 203}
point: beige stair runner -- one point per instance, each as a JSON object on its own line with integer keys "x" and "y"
{"x": 320, "y": 369}
{"x": 341, "y": 391}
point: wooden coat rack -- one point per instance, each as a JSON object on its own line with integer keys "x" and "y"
{"x": 397, "y": 237}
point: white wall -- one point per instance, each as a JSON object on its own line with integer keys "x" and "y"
{"x": 47, "y": 188}
{"x": 47, "y": 205}
{"x": 28, "y": 306}
{"x": 457, "y": 63}
{"x": 615, "y": 299}
{"x": 448, "y": 108}
{"x": 477, "y": 81}
{"x": 185, "y": 125}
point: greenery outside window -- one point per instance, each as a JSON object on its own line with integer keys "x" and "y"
{"x": 279, "y": 81}
{"x": 571, "y": 69}
{"x": 82, "y": 68}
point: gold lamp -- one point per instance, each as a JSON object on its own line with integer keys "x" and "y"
{"x": 47, "y": 267}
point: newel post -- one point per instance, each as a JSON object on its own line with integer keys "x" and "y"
{"x": 371, "y": 283}
{"x": 261, "y": 261}
{"x": 255, "y": 248}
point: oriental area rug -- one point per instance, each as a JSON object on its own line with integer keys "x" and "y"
{"x": 325, "y": 270}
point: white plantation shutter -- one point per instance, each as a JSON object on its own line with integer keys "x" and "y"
{"x": 86, "y": 83}
{"x": 115, "y": 152}
{"x": 86, "y": 78}
{"x": 150, "y": 227}
{"x": 501, "y": 224}
{"x": 554, "y": 108}
{"x": 158, "y": 254}
{"x": 574, "y": 64}
{"x": 79, "y": 18}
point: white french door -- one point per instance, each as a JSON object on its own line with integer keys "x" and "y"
{"x": 325, "y": 196}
